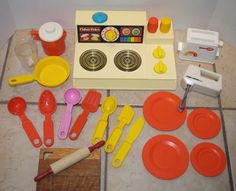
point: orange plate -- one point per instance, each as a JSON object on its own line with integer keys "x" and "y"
{"x": 204, "y": 123}
{"x": 165, "y": 157}
{"x": 161, "y": 111}
{"x": 208, "y": 159}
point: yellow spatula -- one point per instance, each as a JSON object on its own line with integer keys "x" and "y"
{"x": 124, "y": 118}
{"x": 126, "y": 145}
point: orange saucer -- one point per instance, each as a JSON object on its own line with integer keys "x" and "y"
{"x": 208, "y": 159}
{"x": 204, "y": 123}
{"x": 165, "y": 157}
{"x": 161, "y": 111}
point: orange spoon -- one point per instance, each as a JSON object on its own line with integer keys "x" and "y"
{"x": 17, "y": 106}
{"x": 47, "y": 106}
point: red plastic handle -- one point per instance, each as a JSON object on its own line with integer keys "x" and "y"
{"x": 30, "y": 131}
{"x": 96, "y": 146}
{"x": 43, "y": 175}
{"x": 48, "y": 131}
{"x": 78, "y": 125}
{"x": 35, "y": 34}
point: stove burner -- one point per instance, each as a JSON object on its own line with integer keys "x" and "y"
{"x": 127, "y": 60}
{"x": 93, "y": 60}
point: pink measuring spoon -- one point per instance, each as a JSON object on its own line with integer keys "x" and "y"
{"x": 72, "y": 96}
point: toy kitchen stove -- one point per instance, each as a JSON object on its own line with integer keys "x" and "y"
{"x": 114, "y": 50}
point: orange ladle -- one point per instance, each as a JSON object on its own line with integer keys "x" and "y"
{"x": 47, "y": 106}
{"x": 17, "y": 106}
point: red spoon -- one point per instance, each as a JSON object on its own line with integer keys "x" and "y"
{"x": 17, "y": 106}
{"x": 47, "y": 106}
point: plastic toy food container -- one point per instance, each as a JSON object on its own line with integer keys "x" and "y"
{"x": 52, "y": 37}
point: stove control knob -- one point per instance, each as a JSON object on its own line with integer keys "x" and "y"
{"x": 110, "y": 34}
{"x": 99, "y": 17}
{"x": 159, "y": 52}
{"x": 160, "y": 67}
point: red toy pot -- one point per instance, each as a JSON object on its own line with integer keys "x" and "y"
{"x": 52, "y": 37}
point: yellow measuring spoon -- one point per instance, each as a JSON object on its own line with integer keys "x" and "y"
{"x": 124, "y": 118}
{"x": 126, "y": 145}
{"x": 109, "y": 105}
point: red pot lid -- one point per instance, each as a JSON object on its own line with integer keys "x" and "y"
{"x": 208, "y": 159}
{"x": 204, "y": 123}
{"x": 161, "y": 111}
{"x": 165, "y": 157}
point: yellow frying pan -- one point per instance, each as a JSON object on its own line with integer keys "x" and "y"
{"x": 50, "y": 71}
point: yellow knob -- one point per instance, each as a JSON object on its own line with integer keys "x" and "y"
{"x": 165, "y": 24}
{"x": 159, "y": 52}
{"x": 160, "y": 68}
{"x": 110, "y": 35}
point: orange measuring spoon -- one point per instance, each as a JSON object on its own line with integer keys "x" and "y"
{"x": 17, "y": 106}
{"x": 47, "y": 106}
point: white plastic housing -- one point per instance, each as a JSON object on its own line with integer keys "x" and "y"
{"x": 202, "y": 81}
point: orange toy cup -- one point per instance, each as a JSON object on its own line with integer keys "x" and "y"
{"x": 152, "y": 24}
{"x": 52, "y": 39}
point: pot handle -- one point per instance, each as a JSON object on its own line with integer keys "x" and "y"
{"x": 35, "y": 34}
{"x": 64, "y": 34}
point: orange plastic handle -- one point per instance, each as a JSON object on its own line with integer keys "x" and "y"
{"x": 30, "y": 131}
{"x": 48, "y": 131}
{"x": 35, "y": 34}
{"x": 78, "y": 125}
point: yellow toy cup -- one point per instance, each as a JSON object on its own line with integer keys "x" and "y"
{"x": 165, "y": 24}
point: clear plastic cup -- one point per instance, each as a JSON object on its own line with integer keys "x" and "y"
{"x": 27, "y": 53}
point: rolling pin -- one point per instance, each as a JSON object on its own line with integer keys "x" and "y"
{"x": 69, "y": 160}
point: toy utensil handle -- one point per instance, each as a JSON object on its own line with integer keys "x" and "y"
{"x": 122, "y": 152}
{"x": 113, "y": 139}
{"x": 99, "y": 131}
{"x": 182, "y": 104}
{"x": 48, "y": 131}
{"x": 31, "y": 131}
{"x": 64, "y": 125}
{"x": 78, "y": 125}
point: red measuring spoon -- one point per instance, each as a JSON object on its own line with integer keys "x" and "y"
{"x": 47, "y": 106}
{"x": 17, "y": 106}
{"x": 89, "y": 104}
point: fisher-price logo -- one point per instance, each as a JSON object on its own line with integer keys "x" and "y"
{"x": 89, "y": 29}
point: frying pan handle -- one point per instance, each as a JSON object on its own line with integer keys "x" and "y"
{"x": 48, "y": 131}
{"x": 17, "y": 80}
{"x": 78, "y": 125}
{"x": 64, "y": 125}
{"x": 31, "y": 131}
